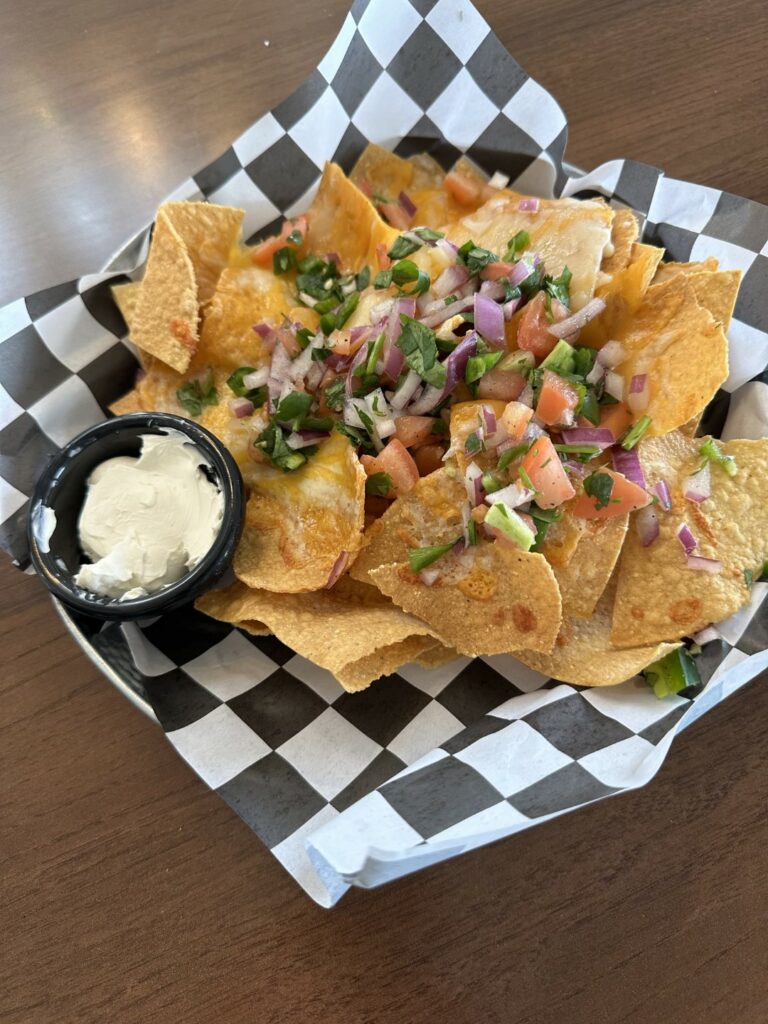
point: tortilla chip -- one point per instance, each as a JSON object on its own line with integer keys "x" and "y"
{"x": 563, "y": 539}
{"x": 466, "y": 417}
{"x": 128, "y": 403}
{"x": 381, "y": 171}
{"x": 351, "y": 630}
{"x": 564, "y": 232}
{"x": 624, "y": 233}
{"x": 429, "y": 514}
{"x": 342, "y": 220}
{"x": 583, "y": 653}
{"x": 164, "y": 322}
{"x": 427, "y": 172}
{"x": 490, "y": 600}
{"x": 681, "y": 348}
{"x": 253, "y": 627}
{"x": 585, "y": 576}
{"x": 126, "y": 296}
{"x": 298, "y": 524}
{"x": 622, "y": 295}
{"x": 437, "y": 656}
{"x": 690, "y": 428}
{"x": 715, "y": 290}
{"x": 209, "y": 233}
{"x": 243, "y": 297}
{"x": 658, "y": 596}
{"x": 669, "y": 269}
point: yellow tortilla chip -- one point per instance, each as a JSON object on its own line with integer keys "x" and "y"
{"x": 563, "y": 539}
{"x": 715, "y": 290}
{"x": 466, "y": 417}
{"x": 209, "y": 233}
{"x": 128, "y": 403}
{"x": 381, "y": 171}
{"x": 622, "y": 295}
{"x": 583, "y": 653}
{"x": 624, "y": 234}
{"x": 427, "y": 172}
{"x": 584, "y": 577}
{"x": 669, "y": 269}
{"x": 342, "y": 220}
{"x": 298, "y": 524}
{"x": 253, "y": 627}
{"x": 437, "y": 656}
{"x": 126, "y": 295}
{"x": 164, "y": 322}
{"x": 681, "y": 348}
{"x": 351, "y": 630}
{"x": 659, "y": 597}
{"x": 489, "y": 600}
{"x": 564, "y": 232}
{"x": 429, "y": 514}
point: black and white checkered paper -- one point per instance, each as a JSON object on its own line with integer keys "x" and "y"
{"x": 359, "y": 789}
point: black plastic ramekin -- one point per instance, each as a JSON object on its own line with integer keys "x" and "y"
{"x": 62, "y": 488}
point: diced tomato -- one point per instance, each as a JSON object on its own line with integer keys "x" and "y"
{"x": 615, "y": 418}
{"x": 625, "y": 497}
{"x": 533, "y": 330}
{"x": 546, "y": 473}
{"x": 557, "y": 400}
{"x": 429, "y": 457}
{"x": 462, "y": 189}
{"x": 398, "y": 462}
{"x": 381, "y": 255}
{"x": 516, "y": 418}
{"x": 493, "y": 271}
{"x": 370, "y": 464}
{"x": 413, "y": 430}
{"x": 264, "y": 251}
{"x": 395, "y": 215}
{"x": 343, "y": 345}
{"x": 505, "y": 385}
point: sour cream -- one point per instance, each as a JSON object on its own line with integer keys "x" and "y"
{"x": 147, "y": 521}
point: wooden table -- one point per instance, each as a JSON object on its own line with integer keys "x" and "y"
{"x": 131, "y": 893}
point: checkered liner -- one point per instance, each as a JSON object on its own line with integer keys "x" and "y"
{"x": 360, "y": 789}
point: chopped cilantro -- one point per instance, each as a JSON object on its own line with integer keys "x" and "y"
{"x": 427, "y": 234}
{"x": 600, "y": 487}
{"x": 235, "y": 383}
{"x": 510, "y": 454}
{"x": 475, "y": 258}
{"x": 418, "y": 344}
{"x": 194, "y": 394}
{"x": 356, "y": 437}
{"x": 404, "y": 271}
{"x": 272, "y": 442}
{"x": 588, "y": 407}
{"x": 516, "y": 245}
{"x": 560, "y": 287}
{"x": 473, "y": 444}
{"x": 294, "y": 408}
{"x": 284, "y": 260}
{"x": 378, "y": 484}
{"x": 583, "y": 360}
{"x": 383, "y": 279}
{"x": 634, "y": 433}
{"x": 363, "y": 279}
{"x": 439, "y": 428}
{"x": 589, "y": 450}
{"x": 710, "y": 452}
{"x": 402, "y": 246}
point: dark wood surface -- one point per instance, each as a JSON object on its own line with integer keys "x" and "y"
{"x": 130, "y": 893}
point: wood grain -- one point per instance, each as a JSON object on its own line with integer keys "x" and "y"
{"x": 130, "y": 893}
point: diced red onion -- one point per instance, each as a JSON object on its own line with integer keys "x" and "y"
{"x": 446, "y": 312}
{"x": 489, "y": 419}
{"x": 263, "y": 330}
{"x": 527, "y": 521}
{"x": 639, "y": 394}
{"x": 378, "y": 410}
{"x": 447, "y": 247}
{"x": 393, "y": 364}
{"x": 526, "y": 396}
{"x": 529, "y": 205}
{"x": 705, "y": 636}
{"x": 520, "y": 271}
{"x": 314, "y": 376}
{"x": 473, "y": 481}
{"x": 533, "y": 430}
{"x": 628, "y": 464}
{"x": 686, "y": 538}
{"x": 455, "y": 366}
{"x": 662, "y": 492}
{"x": 572, "y": 324}
{"x": 333, "y": 257}
{"x": 308, "y": 300}
{"x": 300, "y": 365}
{"x": 647, "y": 524}
{"x": 256, "y": 379}
{"x": 350, "y": 414}
{"x": 596, "y": 374}
{"x": 360, "y": 356}
{"x": 611, "y": 354}
{"x": 698, "y": 486}
{"x": 579, "y": 469}
{"x": 406, "y": 391}
{"x": 511, "y": 307}
{"x": 338, "y": 568}
{"x": 429, "y": 576}
{"x": 598, "y": 436}
{"x": 241, "y": 407}
{"x": 380, "y": 311}
{"x": 304, "y": 438}
{"x": 704, "y": 564}
{"x": 614, "y": 385}
{"x": 407, "y": 307}
{"x": 492, "y": 290}
{"x": 407, "y": 204}
{"x": 489, "y": 319}
{"x": 360, "y": 332}
{"x": 514, "y": 495}
{"x": 499, "y": 180}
